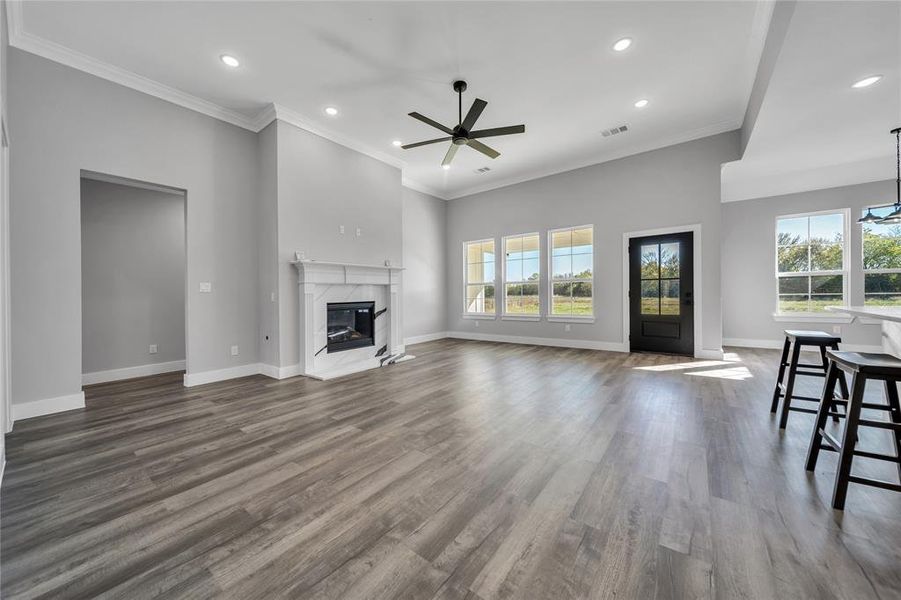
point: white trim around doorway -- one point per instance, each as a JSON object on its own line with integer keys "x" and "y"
{"x": 695, "y": 228}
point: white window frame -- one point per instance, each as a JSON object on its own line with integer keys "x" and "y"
{"x": 551, "y": 281}
{"x": 811, "y": 316}
{"x": 479, "y": 315}
{"x": 518, "y": 316}
{"x": 863, "y": 268}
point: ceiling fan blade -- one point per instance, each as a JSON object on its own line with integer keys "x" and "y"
{"x": 497, "y": 131}
{"x": 417, "y": 144}
{"x": 486, "y": 150}
{"x": 450, "y": 154}
{"x": 475, "y": 110}
{"x": 429, "y": 121}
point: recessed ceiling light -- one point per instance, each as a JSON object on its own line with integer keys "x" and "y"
{"x": 229, "y": 60}
{"x": 641, "y": 103}
{"x": 622, "y": 44}
{"x": 867, "y": 81}
{"x": 331, "y": 111}
{"x": 445, "y": 167}
{"x": 397, "y": 143}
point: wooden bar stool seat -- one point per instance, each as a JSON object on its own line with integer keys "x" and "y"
{"x": 863, "y": 366}
{"x": 795, "y": 340}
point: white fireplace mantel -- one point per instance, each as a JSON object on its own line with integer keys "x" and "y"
{"x": 322, "y": 282}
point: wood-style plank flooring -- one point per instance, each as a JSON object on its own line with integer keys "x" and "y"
{"x": 476, "y": 471}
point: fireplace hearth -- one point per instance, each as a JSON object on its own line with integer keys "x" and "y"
{"x": 350, "y": 325}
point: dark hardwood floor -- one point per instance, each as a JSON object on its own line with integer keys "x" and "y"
{"x": 477, "y": 471}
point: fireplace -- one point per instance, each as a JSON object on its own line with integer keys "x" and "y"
{"x": 350, "y": 325}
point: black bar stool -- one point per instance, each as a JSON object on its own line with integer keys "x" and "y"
{"x": 863, "y": 366}
{"x": 795, "y": 340}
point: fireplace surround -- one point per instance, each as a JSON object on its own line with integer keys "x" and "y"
{"x": 322, "y": 283}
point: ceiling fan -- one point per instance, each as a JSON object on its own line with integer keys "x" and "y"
{"x": 462, "y": 134}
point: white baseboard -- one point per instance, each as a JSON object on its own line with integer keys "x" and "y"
{"x": 777, "y": 344}
{"x": 540, "y": 341}
{"x": 279, "y": 372}
{"x": 192, "y": 379}
{"x": 428, "y": 337}
{"x": 47, "y": 406}
{"x": 709, "y": 354}
{"x": 131, "y": 372}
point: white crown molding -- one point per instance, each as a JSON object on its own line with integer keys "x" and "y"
{"x": 23, "y": 40}
{"x": 424, "y": 189}
{"x": 680, "y": 138}
{"x": 294, "y": 118}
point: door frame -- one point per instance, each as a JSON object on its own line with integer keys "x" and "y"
{"x": 694, "y": 228}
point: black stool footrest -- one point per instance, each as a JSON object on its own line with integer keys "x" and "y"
{"x": 881, "y": 424}
{"x": 877, "y": 456}
{"x": 886, "y": 485}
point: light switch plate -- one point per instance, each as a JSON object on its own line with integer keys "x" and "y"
{"x": 359, "y": 232}
{"x": 234, "y": 351}
{"x": 567, "y": 327}
{"x": 206, "y": 287}
{"x": 153, "y": 348}
{"x": 341, "y": 229}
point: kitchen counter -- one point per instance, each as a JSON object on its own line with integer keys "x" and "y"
{"x": 890, "y": 316}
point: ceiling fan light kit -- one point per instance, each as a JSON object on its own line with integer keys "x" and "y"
{"x": 462, "y": 134}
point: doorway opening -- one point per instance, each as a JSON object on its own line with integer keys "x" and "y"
{"x": 133, "y": 272}
{"x": 661, "y": 293}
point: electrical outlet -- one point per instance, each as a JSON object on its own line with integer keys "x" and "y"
{"x": 271, "y": 296}
{"x": 836, "y": 329}
{"x": 567, "y": 327}
{"x": 234, "y": 351}
{"x": 476, "y": 323}
{"x": 341, "y": 229}
{"x": 153, "y": 348}
{"x": 206, "y": 287}
{"x": 359, "y": 232}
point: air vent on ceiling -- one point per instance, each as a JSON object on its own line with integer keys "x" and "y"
{"x": 482, "y": 170}
{"x": 615, "y": 130}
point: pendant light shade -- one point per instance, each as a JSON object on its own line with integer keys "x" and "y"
{"x": 895, "y": 216}
{"x": 869, "y": 217}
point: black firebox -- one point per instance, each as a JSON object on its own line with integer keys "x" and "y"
{"x": 350, "y": 325}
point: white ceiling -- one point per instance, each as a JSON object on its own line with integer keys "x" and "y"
{"x": 814, "y": 131}
{"x": 546, "y": 64}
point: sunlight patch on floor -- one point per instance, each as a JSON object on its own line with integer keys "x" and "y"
{"x": 682, "y": 366}
{"x": 734, "y": 373}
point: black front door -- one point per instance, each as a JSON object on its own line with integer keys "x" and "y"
{"x": 661, "y": 280}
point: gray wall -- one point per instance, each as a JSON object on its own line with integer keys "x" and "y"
{"x": 425, "y": 274}
{"x": 321, "y": 186}
{"x": 749, "y": 256}
{"x": 63, "y": 121}
{"x": 677, "y": 185}
{"x": 267, "y": 241}
{"x": 132, "y": 276}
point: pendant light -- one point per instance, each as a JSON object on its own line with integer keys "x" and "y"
{"x": 895, "y": 216}
{"x": 869, "y": 217}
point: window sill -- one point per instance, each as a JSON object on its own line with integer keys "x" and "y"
{"x": 565, "y": 319}
{"x": 480, "y": 316}
{"x": 811, "y": 318}
{"x": 520, "y": 317}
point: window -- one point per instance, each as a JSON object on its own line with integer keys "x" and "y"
{"x": 660, "y": 276}
{"x": 480, "y": 277}
{"x": 572, "y": 269}
{"x": 521, "y": 271}
{"x": 810, "y": 261}
{"x": 882, "y": 261}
